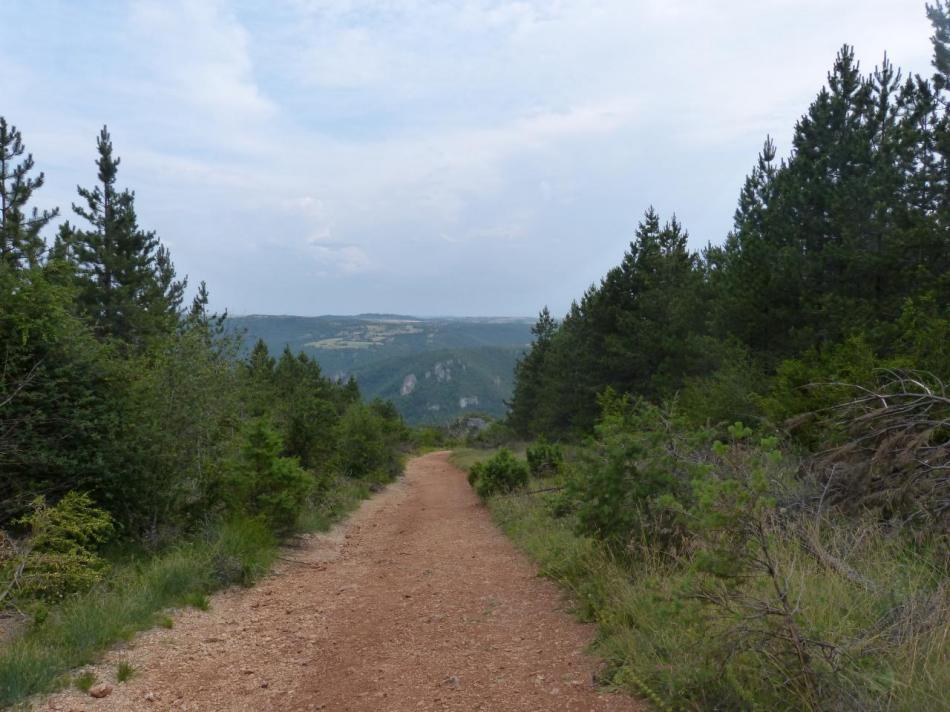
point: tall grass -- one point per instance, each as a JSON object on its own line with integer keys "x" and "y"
{"x": 342, "y": 497}
{"x": 888, "y": 623}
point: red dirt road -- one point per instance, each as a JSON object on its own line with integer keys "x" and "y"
{"x": 416, "y": 603}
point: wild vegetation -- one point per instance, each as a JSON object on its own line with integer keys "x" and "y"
{"x": 143, "y": 463}
{"x": 756, "y": 508}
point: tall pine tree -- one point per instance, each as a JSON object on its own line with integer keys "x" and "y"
{"x": 129, "y": 286}
{"x": 21, "y": 244}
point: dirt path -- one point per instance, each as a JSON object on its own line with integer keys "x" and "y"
{"x": 417, "y": 603}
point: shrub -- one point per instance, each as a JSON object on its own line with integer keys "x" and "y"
{"x": 634, "y": 483}
{"x": 496, "y": 434}
{"x": 367, "y": 442}
{"x": 58, "y": 555}
{"x": 503, "y": 472}
{"x": 545, "y": 459}
{"x": 266, "y": 485}
{"x": 474, "y": 473}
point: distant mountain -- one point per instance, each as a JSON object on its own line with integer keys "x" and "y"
{"x": 433, "y": 369}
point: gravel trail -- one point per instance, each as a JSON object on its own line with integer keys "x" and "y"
{"x": 417, "y": 602}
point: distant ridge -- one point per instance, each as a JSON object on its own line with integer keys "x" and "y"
{"x": 433, "y": 368}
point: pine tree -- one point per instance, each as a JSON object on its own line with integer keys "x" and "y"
{"x": 938, "y": 250}
{"x": 20, "y": 242}
{"x": 130, "y": 291}
{"x": 529, "y": 371}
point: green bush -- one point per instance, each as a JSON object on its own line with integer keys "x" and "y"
{"x": 497, "y": 433}
{"x": 266, "y": 485}
{"x": 57, "y": 557}
{"x": 368, "y": 437}
{"x": 634, "y": 483}
{"x": 503, "y": 472}
{"x": 133, "y": 597}
{"x": 545, "y": 459}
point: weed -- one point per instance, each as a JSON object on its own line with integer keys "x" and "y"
{"x": 84, "y": 680}
{"x": 124, "y": 671}
{"x": 197, "y": 599}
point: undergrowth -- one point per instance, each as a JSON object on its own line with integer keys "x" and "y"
{"x": 136, "y": 594}
{"x": 885, "y": 624}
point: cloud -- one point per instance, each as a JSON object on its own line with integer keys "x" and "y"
{"x": 341, "y": 259}
{"x": 350, "y": 155}
{"x": 197, "y": 59}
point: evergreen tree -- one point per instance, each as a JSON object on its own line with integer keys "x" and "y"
{"x": 529, "y": 371}
{"x": 20, "y": 242}
{"x": 130, "y": 291}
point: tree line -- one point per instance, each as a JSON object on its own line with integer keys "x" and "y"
{"x": 838, "y": 261}
{"x": 121, "y": 399}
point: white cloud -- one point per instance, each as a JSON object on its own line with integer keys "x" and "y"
{"x": 387, "y": 143}
{"x": 197, "y": 55}
{"x": 341, "y": 259}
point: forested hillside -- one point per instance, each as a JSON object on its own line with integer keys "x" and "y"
{"x": 143, "y": 461}
{"x": 755, "y": 500}
{"x": 432, "y": 369}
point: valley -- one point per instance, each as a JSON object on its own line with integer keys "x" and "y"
{"x": 433, "y": 369}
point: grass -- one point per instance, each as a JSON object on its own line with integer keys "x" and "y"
{"x": 84, "y": 681}
{"x": 198, "y": 600}
{"x": 662, "y": 643}
{"x": 340, "y": 498}
{"x": 124, "y": 671}
{"x": 138, "y": 592}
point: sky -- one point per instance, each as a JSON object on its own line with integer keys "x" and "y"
{"x": 428, "y": 157}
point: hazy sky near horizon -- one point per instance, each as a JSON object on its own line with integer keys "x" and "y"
{"x": 450, "y": 157}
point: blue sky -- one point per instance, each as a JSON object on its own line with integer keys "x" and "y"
{"x": 466, "y": 157}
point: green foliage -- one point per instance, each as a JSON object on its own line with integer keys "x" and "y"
{"x": 838, "y": 263}
{"x": 197, "y": 600}
{"x": 58, "y": 412}
{"x": 423, "y": 438}
{"x": 243, "y": 550}
{"x": 20, "y": 241}
{"x": 732, "y": 389}
{"x": 634, "y": 485}
{"x": 366, "y": 439}
{"x": 58, "y": 555}
{"x": 84, "y": 681}
{"x": 497, "y": 434}
{"x": 124, "y": 671}
{"x": 503, "y": 472}
{"x": 768, "y": 602}
{"x": 265, "y": 484}
{"x": 544, "y": 459}
{"x": 128, "y": 286}
{"x": 125, "y": 417}
{"x": 132, "y": 598}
